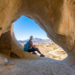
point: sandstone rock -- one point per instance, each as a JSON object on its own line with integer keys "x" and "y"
{"x": 56, "y": 17}
{"x": 3, "y": 60}
{"x": 37, "y": 67}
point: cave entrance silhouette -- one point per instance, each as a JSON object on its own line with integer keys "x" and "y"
{"x": 24, "y": 27}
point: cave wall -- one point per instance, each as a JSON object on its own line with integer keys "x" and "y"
{"x": 10, "y": 47}
{"x": 5, "y": 43}
{"x": 56, "y": 17}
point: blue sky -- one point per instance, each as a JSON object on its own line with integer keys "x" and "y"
{"x": 24, "y": 27}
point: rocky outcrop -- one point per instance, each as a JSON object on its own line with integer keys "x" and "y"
{"x": 11, "y": 48}
{"x": 56, "y": 17}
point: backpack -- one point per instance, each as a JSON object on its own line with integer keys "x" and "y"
{"x": 26, "y": 46}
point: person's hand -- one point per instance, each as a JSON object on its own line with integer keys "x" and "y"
{"x": 34, "y": 46}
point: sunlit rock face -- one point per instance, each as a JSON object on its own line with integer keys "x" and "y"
{"x": 56, "y": 17}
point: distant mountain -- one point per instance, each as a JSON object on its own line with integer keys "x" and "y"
{"x": 37, "y": 40}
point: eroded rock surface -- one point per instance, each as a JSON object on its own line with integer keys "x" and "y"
{"x": 36, "y": 67}
{"x": 56, "y": 17}
{"x": 3, "y": 60}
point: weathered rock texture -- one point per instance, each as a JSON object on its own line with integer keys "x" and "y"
{"x": 40, "y": 67}
{"x": 56, "y": 17}
{"x": 11, "y": 48}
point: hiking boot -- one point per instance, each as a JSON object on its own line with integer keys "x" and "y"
{"x": 42, "y": 55}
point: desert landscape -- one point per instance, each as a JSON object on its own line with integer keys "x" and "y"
{"x": 52, "y": 50}
{"x": 48, "y": 48}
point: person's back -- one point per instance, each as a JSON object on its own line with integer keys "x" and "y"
{"x": 29, "y": 47}
{"x": 26, "y": 46}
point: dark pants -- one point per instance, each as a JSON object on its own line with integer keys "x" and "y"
{"x": 33, "y": 50}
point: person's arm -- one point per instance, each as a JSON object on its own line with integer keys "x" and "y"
{"x": 31, "y": 43}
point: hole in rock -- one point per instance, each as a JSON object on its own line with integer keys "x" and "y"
{"x": 24, "y": 27}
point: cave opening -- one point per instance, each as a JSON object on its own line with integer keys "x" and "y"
{"x": 24, "y": 27}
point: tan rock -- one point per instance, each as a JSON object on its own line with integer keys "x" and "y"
{"x": 56, "y": 17}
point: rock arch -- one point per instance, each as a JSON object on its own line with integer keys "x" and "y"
{"x": 54, "y": 16}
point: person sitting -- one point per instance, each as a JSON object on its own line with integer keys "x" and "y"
{"x": 29, "y": 47}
